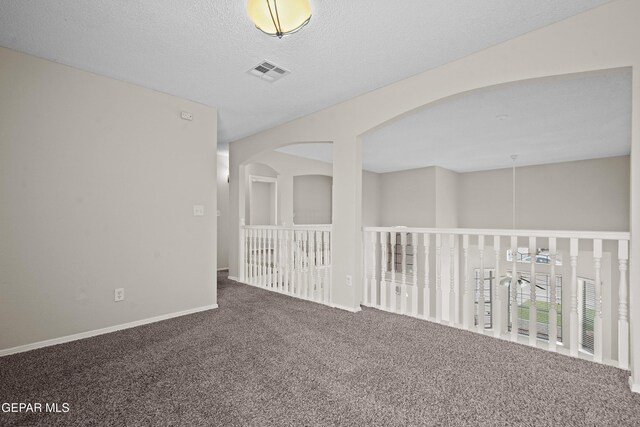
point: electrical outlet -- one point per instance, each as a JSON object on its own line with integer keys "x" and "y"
{"x": 349, "y": 281}
{"x": 198, "y": 210}
{"x": 118, "y": 294}
{"x": 186, "y": 116}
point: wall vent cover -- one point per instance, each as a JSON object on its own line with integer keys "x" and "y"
{"x": 268, "y": 71}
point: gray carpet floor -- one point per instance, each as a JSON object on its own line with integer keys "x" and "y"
{"x": 265, "y": 359}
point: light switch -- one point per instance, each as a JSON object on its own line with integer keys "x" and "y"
{"x": 198, "y": 210}
{"x": 218, "y": 213}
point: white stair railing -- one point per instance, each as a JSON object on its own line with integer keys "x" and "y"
{"x": 533, "y": 279}
{"x": 291, "y": 260}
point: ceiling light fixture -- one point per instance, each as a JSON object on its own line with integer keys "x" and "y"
{"x": 279, "y": 18}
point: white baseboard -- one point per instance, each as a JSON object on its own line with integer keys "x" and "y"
{"x": 88, "y": 334}
{"x": 223, "y": 268}
{"x": 635, "y": 388}
{"x": 235, "y": 279}
{"x": 344, "y": 307}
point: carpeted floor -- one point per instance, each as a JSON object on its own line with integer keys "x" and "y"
{"x": 265, "y": 359}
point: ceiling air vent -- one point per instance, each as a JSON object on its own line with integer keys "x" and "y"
{"x": 268, "y": 72}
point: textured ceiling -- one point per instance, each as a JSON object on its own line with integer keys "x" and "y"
{"x": 201, "y": 49}
{"x": 573, "y": 117}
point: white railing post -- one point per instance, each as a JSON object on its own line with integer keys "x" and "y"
{"x": 514, "y": 289}
{"x": 623, "y": 306}
{"x": 573, "y": 319}
{"x": 372, "y": 287}
{"x": 403, "y": 290}
{"x": 414, "y": 288}
{"x": 243, "y": 254}
{"x": 393, "y": 286}
{"x": 426, "y": 290}
{"x": 480, "y": 308}
{"x": 326, "y": 241}
{"x": 597, "y": 321}
{"x": 453, "y": 292}
{"x": 496, "y": 307}
{"x": 467, "y": 297}
{"x": 533, "y": 308}
{"x": 383, "y": 268}
{"x": 438, "y": 278}
{"x": 553, "y": 299}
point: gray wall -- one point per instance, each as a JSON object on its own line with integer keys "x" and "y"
{"x": 370, "y": 199}
{"x": 408, "y": 198}
{"x": 97, "y": 186}
{"x": 582, "y": 195}
{"x": 312, "y": 199}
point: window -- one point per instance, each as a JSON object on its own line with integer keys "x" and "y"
{"x": 484, "y": 293}
{"x": 542, "y": 256}
{"x": 586, "y": 313}
{"x": 394, "y": 254}
{"x": 543, "y": 305}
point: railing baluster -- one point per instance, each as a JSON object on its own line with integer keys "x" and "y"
{"x": 426, "y": 290}
{"x": 514, "y": 289}
{"x": 403, "y": 290}
{"x": 453, "y": 292}
{"x": 243, "y": 261}
{"x": 573, "y": 319}
{"x": 254, "y": 245}
{"x": 307, "y": 264}
{"x": 438, "y": 278}
{"x": 481, "y": 303}
{"x": 318, "y": 263}
{"x": 496, "y": 301}
{"x": 553, "y": 308}
{"x": 597, "y": 321}
{"x": 371, "y": 297}
{"x": 623, "y": 305}
{"x": 414, "y": 288}
{"x": 261, "y": 255}
{"x": 383, "y": 265}
{"x": 270, "y": 258}
{"x": 466, "y": 296}
{"x": 533, "y": 308}
{"x": 392, "y": 287}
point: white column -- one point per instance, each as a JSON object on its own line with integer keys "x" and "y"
{"x": 346, "y": 245}
{"x": 496, "y": 307}
{"x": 573, "y": 316}
{"x": 623, "y": 307}
{"x": 553, "y": 303}
{"x": 467, "y": 296}
{"x": 426, "y": 291}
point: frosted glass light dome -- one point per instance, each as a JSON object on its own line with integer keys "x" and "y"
{"x": 279, "y": 17}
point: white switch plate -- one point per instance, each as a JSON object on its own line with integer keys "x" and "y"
{"x": 118, "y": 294}
{"x": 349, "y": 281}
{"x": 186, "y": 116}
{"x": 218, "y": 213}
{"x": 198, "y": 210}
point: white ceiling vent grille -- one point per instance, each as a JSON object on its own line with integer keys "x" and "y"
{"x": 268, "y": 72}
